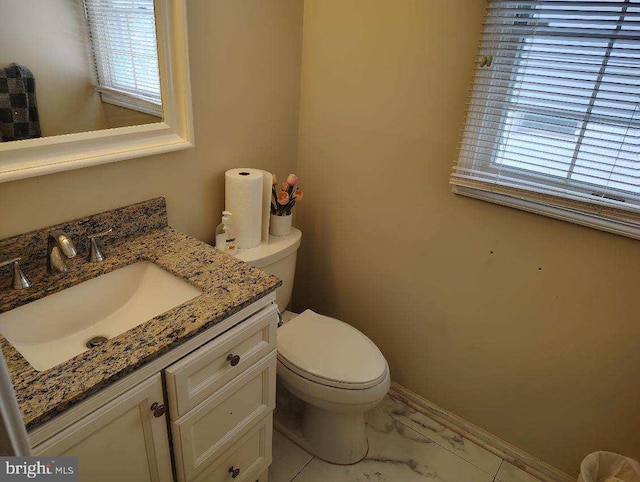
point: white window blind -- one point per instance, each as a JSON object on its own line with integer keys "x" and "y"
{"x": 123, "y": 37}
{"x": 553, "y": 124}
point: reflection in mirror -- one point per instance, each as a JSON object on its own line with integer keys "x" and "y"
{"x": 70, "y": 66}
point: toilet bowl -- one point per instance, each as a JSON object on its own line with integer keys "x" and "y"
{"x": 340, "y": 374}
{"x": 331, "y": 367}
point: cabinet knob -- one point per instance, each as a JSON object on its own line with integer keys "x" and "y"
{"x": 234, "y": 472}
{"x": 157, "y": 409}
{"x": 233, "y": 359}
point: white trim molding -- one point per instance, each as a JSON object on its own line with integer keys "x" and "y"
{"x": 484, "y": 439}
{"x": 46, "y": 155}
{"x": 565, "y": 214}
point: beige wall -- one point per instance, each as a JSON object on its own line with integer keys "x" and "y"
{"x": 245, "y": 68}
{"x": 50, "y": 38}
{"x": 537, "y": 342}
{"x": 546, "y": 359}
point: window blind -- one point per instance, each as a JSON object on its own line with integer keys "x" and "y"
{"x": 123, "y": 37}
{"x": 553, "y": 124}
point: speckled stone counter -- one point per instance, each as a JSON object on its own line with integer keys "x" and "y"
{"x": 141, "y": 234}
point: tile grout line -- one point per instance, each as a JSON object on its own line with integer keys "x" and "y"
{"x": 303, "y": 467}
{"x": 495, "y": 477}
{"x": 440, "y": 445}
{"x": 298, "y": 446}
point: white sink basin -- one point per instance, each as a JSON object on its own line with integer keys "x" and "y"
{"x": 51, "y": 330}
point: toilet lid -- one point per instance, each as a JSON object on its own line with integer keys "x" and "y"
{"x": 330, "y": 352}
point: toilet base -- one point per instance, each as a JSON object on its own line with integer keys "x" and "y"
{"x": 338, "y": 438}
{"x": 333, "y": 437}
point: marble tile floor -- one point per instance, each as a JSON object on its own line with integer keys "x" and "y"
{"x": 404, "y": 446}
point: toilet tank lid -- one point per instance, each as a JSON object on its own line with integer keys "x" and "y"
{"x": 278, "y": 248}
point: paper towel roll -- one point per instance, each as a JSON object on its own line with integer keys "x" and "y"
{"x": 266, "y": 205}
{"x": 243, "y": 198}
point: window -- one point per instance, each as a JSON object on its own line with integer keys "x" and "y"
{"x": 123, "y": 37}
{"x": 553, "y": 125}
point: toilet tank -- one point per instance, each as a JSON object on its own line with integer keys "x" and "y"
{"x": 278, "y": 258}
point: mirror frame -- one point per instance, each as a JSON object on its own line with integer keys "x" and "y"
{"x": 46, "y": 155}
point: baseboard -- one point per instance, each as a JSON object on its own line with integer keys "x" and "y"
{"x": 493, "y": 444}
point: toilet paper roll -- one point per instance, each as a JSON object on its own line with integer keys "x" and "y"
{"x": 244, "y": 199}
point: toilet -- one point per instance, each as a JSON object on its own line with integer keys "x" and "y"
{"x": 332, "y": 368}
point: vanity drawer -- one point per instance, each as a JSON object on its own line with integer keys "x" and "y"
{"x": 205, "y": 432}
{"x": 205, "y": 371}
{"x": 251, "y": 455}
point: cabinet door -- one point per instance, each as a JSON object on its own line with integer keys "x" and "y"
{"x": 124, "y": 440}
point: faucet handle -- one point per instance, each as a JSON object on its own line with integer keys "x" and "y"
{"x": 20, "y": 281}
{"x": 95, "y": 256}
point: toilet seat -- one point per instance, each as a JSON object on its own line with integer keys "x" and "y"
{"x": 330, "y": 352}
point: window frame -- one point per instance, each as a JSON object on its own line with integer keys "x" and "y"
{"x": 489, "y": 141}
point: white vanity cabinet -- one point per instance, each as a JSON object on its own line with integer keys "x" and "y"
{"x": 219, "y": 399}
{"x": 126, "y": 438}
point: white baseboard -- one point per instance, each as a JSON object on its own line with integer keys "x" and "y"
{"x": 493, "y": 444}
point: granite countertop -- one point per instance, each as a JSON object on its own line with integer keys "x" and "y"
{"x": 228, "y": 285}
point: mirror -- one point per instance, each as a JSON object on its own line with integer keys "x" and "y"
{"x": 94, "y": 65}
{"x": 111, "y": 82}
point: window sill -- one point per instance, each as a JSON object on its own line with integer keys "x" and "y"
{"x": 122, "y": 99}
{"x": 583, "y": 219}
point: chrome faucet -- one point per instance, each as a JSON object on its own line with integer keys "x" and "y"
{"x": 95, "y": 255}
{"x": 59, "y": 247}
{"x": 20, "y": 281}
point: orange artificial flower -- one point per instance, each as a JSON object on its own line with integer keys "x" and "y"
{"x": 283, "y": 198}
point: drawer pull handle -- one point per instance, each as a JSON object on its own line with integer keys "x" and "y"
{"x": 157, "y": 409}
{"x": 233, "y": 359}
{"x": 234, "y": 472}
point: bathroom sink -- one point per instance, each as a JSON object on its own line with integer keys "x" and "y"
{"x": 51, "y": 330}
